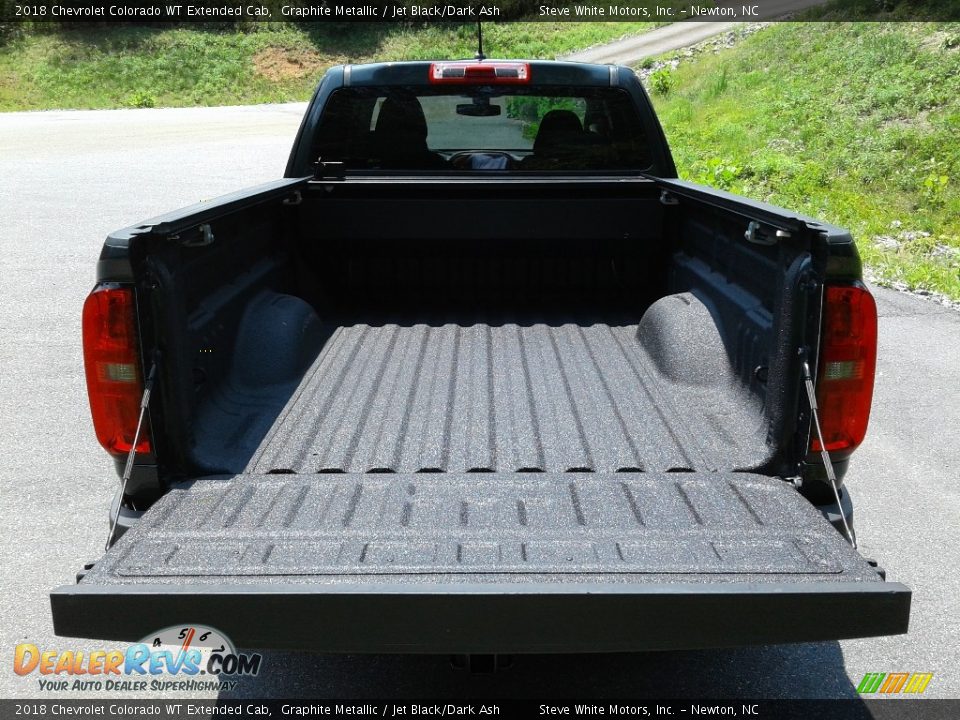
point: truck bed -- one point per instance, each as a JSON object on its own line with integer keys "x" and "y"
{"x": 475, "y": 414}
{"x": 541, "y": 396}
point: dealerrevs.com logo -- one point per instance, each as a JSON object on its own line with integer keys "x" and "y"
{"x": 181, "y": 657}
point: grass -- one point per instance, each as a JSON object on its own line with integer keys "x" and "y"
{"x": 131, "y": 66}
{"x": 854, "y": 123}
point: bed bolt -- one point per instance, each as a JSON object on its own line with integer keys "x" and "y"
{"x": 810, "y": 282}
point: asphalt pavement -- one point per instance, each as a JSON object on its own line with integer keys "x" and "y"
{"x": 69, "y": 178}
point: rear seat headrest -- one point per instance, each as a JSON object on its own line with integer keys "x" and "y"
{"x": 558, "y": 128}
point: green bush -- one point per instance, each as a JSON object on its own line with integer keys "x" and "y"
{"x": 142, "y": 99}
{"x": 662, "y": 81}
{"x": 934, "y": 188}
{"x": 717, "y": 173}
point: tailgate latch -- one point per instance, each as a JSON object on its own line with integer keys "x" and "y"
{"x": 756, "y": 234}
{"x": 667, "y": 199}
{"x": 204, "y": 237}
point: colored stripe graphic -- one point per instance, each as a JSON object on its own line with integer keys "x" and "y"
{"x": 893, "y": 683}
{"x": 870, "y": 682}
{"x": 918, "y": 682}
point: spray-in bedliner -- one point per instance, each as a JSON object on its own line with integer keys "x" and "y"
{"x": 517, "y": 562}
{"x": 577, "y": 527}
{"x": 479, "y": 397}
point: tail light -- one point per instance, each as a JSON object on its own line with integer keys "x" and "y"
{"x": 848, "y": 359}
{"x": 114, "y": 376}
{"x": 480, "y": 73}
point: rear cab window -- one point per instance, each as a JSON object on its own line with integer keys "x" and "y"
{"x": 480, "y": 128}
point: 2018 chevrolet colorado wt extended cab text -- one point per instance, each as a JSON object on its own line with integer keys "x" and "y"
{"x": 481, "y": 375}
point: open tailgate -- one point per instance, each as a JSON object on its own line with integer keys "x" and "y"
{"x": 483, "y": 563}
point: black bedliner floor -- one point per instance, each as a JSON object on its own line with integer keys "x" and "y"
{"x": 539, "y": 397}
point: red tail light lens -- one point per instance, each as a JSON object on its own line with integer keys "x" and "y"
{"x": 114, "y": 377}
{"x": 848, "y": 359}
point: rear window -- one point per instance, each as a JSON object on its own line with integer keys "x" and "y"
{"x": 481, "y": 128}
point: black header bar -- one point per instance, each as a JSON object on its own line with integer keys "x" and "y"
{"x": 121, "y": 708}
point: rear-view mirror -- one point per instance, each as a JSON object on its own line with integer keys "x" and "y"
{"x": 479, "y": 109}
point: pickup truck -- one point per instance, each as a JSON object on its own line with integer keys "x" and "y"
{"x": 481, "y": 375}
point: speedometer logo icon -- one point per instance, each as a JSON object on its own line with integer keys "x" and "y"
{"x": 179, "y": 640}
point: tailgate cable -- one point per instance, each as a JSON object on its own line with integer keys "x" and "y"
{"x": 824, "y": 455}
{"x": 128, "y": 468}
